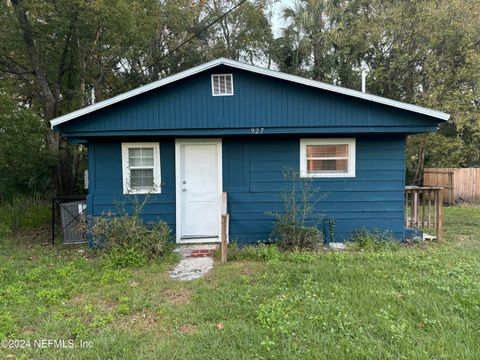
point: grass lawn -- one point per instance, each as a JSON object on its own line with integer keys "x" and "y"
{"x": 419, "y": 302}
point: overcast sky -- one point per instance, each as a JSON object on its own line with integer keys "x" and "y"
{"x": 277, "y": 21}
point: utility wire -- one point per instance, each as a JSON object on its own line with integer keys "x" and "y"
{"x": 224, "y": 15}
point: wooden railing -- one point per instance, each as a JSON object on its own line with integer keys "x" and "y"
{"x": 224, "y": 233}
{"x": 424, "y": 208}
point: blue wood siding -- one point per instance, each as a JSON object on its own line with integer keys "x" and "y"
{"x": 253, "y": 177}
{"x": 259, "y": 101}
{"x": 106, "y": 183}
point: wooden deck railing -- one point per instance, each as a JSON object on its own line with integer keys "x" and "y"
{"x": 224, "y": 235}
{"x": 424, "y": 208}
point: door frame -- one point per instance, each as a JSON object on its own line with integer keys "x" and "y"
{"x": 178, "y": 187}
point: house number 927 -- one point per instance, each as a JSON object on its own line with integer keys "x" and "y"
{"x": 257, "y": 130}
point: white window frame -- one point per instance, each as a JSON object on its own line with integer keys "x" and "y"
{"x": 213, "y": 87}
{"x": 351, "y": 157}
{"x": 156, "y": 168}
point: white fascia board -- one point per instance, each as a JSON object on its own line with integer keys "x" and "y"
{"x": 255, "y": 69}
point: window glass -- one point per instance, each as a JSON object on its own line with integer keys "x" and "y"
{"x": 327, "y": 157}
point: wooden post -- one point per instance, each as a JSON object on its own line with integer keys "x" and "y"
{"x": 406, "y": 207}
{"x": 430, "y": 208}
{"x": 223, "y": 245}
{"x": 439, "y": 214}
{"x": 414, "y": 209}
{"x": 423, "y": 208}
{"x": 451, "y": 187}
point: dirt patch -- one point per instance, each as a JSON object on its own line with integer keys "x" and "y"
{"x": 27, "y": 331}
{"x": 142, "y": 321}
{"x": 178, "y": 296}
{"x": 81, "y": 300}
{"x": 246, "y": 268}
{"x": 133, "y": 284}
{"x": 188, "y": 329}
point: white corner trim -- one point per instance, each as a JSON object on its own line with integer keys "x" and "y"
{"x": 255, "y": 69}
{"x": 351, "y": 142}
{"x": 157, "y": 176}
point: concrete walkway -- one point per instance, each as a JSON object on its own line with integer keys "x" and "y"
{"x": 197, "y": 260}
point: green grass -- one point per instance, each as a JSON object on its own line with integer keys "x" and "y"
{"x": 418, "y": 302}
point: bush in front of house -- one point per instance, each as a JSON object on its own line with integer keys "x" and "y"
{"x": 295, "y": 228}
{"x": 368, "y": 240}
{"x": 289, "y": 234}
{"x": 127, "y": 239}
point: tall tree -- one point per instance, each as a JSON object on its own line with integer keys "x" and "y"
{"x": 245, "y": 34}
{"x": 53, "y": 52}
{"x": 422, "y": 52}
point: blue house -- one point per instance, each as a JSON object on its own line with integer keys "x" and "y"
{"x": 229, "y": 127}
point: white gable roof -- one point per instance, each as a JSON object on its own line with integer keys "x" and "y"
{"x": 255, "y": 69}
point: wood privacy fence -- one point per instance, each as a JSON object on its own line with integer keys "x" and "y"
{"x": 462, "y": 184}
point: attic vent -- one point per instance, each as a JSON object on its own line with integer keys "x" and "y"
{"x": 222, "y": 84}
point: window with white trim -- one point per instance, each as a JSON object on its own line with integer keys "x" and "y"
{"x": 327, "y": 157}
{"x": 141, "y": 168}
{"x": 222, "y": 84}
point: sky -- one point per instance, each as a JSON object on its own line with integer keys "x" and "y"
{"x": 277, "y": 21}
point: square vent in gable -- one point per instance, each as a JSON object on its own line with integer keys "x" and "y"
{"x": 222, "y": 84}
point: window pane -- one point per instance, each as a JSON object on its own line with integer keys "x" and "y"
{"x": 327, "y": 151}
{"x": 147, "y": 152}
{"x": 319, "y": 166}
{"x": 141, "y": 178}
{"x": 134, "y": 152}
{"x": 140, "y": 157}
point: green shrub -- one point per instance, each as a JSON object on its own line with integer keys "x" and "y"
{"x": 122, "y": 257}
{"x": 262, "y": 252}
{"x": 291, "y": 235}
{"x": 128, "y": 239}
{"x": 294, "y": 228}
{"x": 368, "y": 240}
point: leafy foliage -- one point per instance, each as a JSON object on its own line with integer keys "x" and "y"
{"x": 25, "y": 162}
{"x": 296, "y": 228}
{"x": 420, "y": 52}
{"x": 368, "y": 240}
{"x": 23, "y": 213}
{"x": 128, "y": 240}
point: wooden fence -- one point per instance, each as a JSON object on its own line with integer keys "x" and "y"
{"x": 462, "y": 184}
{"x": 424, "y": 209}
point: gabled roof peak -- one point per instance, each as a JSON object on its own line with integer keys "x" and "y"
{"x": 255, "y": 69}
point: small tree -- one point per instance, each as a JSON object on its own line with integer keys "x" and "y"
{"x": 297, "y": 226}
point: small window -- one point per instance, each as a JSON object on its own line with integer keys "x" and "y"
{"x": 327, "y": 157}
{"x": 222, "y": 84}
{"x": 141, "y": 168}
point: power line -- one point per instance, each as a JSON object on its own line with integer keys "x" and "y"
{"x": 224, "y": 15}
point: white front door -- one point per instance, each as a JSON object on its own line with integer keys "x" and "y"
{"x": 198, "y": 166}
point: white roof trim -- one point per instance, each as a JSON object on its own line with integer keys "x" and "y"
{"x": 236, "y": 64}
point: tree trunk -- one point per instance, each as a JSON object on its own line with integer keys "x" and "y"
{"x": 419, "y": 166}
{"x": 47, "y": 97}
